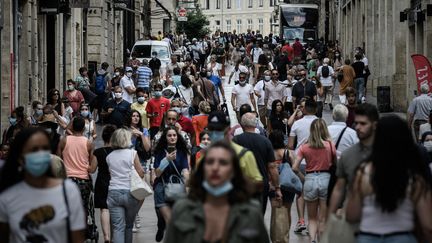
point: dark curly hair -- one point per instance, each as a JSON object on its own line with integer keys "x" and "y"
{"x": 163, "y": 143}
{"x": 239, "y": 194}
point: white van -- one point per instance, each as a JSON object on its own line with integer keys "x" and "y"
{"x": 145, "y": 48}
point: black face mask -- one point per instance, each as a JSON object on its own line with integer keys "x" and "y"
{"x": 203, "y": 74}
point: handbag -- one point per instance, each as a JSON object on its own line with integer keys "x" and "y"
{"x": 174, "y": 190}
{"x": 138, "y": 187}
{"x": 288, "y": 180}
{"x": 338, "y": 230}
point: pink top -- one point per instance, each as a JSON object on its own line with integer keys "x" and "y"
{"x": 317, "y": 158}
{"x": 76, "y": 157}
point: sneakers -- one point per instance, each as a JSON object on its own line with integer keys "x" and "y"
{"x": 300, "y": 227}
{"x": 137, "y": 223}
{"x": 363, "y": 100}
{"x": 134, "y": 229}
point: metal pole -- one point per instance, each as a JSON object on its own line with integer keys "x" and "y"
{"x": 222, "y": 20}
{"x": 15, "y": 54}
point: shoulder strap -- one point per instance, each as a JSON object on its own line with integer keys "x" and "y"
{"x": 243, "y": 152}
{"x": 340, "y": 137}
{"x": 178, "y": 173}
{"x": 69, "y": 237}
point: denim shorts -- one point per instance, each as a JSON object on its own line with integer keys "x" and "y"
{"x": 315, "y": 186}
{"x": 159, "y": 195}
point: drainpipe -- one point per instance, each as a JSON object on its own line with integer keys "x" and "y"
{"x": 65, "y": 17}
{"x": 15, "y": 55}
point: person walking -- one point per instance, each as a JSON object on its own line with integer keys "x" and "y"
{"x": 103, "y": 180}
{"x": 342, "y": 135}
{"x": 116, "y": 110}
{"x": 156, "y": 107}
{"x": 419, "y": 108}
{"x": 274, "y": 90}
{"x": 319, "y": 153}
{"x": 122, "y": 206}
{"x": 218, "y": 206}
{"x": 74, "y": 96}
{"x": 140, "y": 105}
{"x": 325, "y": 74}
{"x": 348, "y": 74}
{"x": 128, "y": 85}
{"x": 242, "y": 93}
{"x": 389, "y": 202}
{"x": 34, "y": 204}
{"x": 144, "y": 76}
{"x": 359, "y": 67}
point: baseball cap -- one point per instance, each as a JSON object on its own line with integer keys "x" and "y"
{"x": 129, "y": 69}
{"x": 218, "y": 121}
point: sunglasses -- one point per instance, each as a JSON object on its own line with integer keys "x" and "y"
{"x": 275, "y": 74}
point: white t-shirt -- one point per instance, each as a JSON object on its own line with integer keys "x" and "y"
{"x": 214, "y": 69}
{"x": 186, "y": 93}
{"x": 256, "y": 52}
{"x": 41, "y": 212}
{"x": 242, "y": 95}
{"x": 288, "y": 90}
{"x": 259, "y": 88}
{"x": 127, "y": 82}
{"x": 120, "y": 162}
{"x": 241, "y": 69}
{"x": 326, "y": 81}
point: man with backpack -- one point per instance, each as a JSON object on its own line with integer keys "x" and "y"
{"x": 325, "y": 74}
{"x": 101, "y": 80}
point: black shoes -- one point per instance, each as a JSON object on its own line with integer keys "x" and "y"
{"x": 159, "y": 235}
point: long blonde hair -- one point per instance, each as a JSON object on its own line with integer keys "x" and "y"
{"x": 318, "y": 134}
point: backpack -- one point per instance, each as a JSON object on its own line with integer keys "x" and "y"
{"x": 100, "y": 84}
{"x": 325, "y": 71}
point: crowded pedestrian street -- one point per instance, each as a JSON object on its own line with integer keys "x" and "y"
{"x": 225, "y": 121}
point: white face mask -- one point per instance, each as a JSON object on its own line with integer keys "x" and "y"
{"x": 428, "y": 145}
{"x": 117, "y": 74}
{"x": 118, "y": 95}
{"x": 267, "y": 78}
{"x": 129, "y": 74}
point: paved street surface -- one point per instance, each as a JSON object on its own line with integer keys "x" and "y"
{"x": 148, "y": 228}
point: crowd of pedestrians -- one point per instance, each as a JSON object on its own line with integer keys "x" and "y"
{"x": 212, "y": 177}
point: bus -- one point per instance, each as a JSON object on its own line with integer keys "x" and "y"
{"x": 299, "y": 21}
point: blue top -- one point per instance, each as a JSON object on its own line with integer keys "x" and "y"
{"x": 217, "y": 82}
{"x": 144, "y": 76}
{"x": 181, "y": 163}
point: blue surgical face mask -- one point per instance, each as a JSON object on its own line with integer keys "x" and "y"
{"x": 203, "y": 146}
{"x": 218, "y": 191}
{"x": 216, "y": 136}
{"x": 157, "y": 94}
{"x": 37, "y": 163}
{"x": 141, "y": 100}
{"x": 39, "y": 113}
{"x": 12, "y": 121}
{"x": 178, "y": 110}
{"x": 84, "y": 113}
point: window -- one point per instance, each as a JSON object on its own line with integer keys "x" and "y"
{"x": 271, "y": 3}
{"x": 250, "y": 3}
{"x": 217, "y": 4}
{"x": 217, "y": 22}
{"x": 207, "y": 5}
{"x": 260, "y": 25}
{"x": 261, "y": 3}
{"x": 239, "y": 26}
{"x": 228, "y": 4}
{"x": 249, "y": 24}
{"x": 228, "y": 25}
{"x": 239, "y": 4}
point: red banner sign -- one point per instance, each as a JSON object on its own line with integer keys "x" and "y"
{"x": 423, "y": 71}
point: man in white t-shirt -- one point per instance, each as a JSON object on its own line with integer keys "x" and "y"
{"x": 128, "y": 85}
{"x": 242, "y": 93}
{"x": 259, "y": 90}
{"x": 239, "y": 68}
{"x": 325, "y": 74}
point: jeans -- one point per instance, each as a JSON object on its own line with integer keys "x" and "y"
{"x": 328, "y": 94}
{"x": 359, "y": 84}
{"x": 404, "y": 238}
{"x": 123, "y": 208}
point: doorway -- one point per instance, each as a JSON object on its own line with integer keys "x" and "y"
{"x": 50, "y": 52}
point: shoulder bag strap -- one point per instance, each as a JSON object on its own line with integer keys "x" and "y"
{"x": 175, "y": 168}
{"x": 340, "y": 137}
{"x": 69, "y": 236}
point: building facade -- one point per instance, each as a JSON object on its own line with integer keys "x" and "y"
{"x": 163, "y": 16}
{"x": 240, "y": 15}
{"x": 388, "y": 40}
{"x": 44, "y": 43}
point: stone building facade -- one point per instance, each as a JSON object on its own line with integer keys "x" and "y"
{"x": 44, "y": 43}
{"x": 240, "y": 15}
{"x": 163, "y": 16}
{"x": 375, "y": 25}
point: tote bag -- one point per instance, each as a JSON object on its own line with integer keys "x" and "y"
{"x": 138, "y": 187}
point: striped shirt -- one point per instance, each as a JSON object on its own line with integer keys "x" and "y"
{"x": 144, "y": 76}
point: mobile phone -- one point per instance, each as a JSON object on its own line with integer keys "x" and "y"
{"x": 171, "y": 149}
{"x": 155, "y": 113}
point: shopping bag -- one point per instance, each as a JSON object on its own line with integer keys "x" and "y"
{"x": 338, "y": 230}
{"x": 139, "y": 188}
{"x": 288, "y": 180}
{"x": 279, "y": 227}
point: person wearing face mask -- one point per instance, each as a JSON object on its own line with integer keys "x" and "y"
{"x": 37, "y": 112}
{"x": 17, "y": 121}
{"x": 128, "y": 86}
{"x": 74, "y": 96}
{"x": 219, "y": 129}
{"x": 185, "y": 123}
{"x": 238, "y": 68}
{"x": 90, "y": 125}
{"x": 140, "y": 106}
{"x": 218, "y": 207}
{"x": 259, "y": 91}
{"x": 303, "y": 88}
{"x": 426, "y": 141}
{"x": 242, "y": 93}
{"x": 28, "y": 190}
{"x": 115, "y": 81}
{"x": 156, "y": 107}
{"x": 155, "y": 63}
{"x": 199, "y": 150}
{"x": 116, "y": 110}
